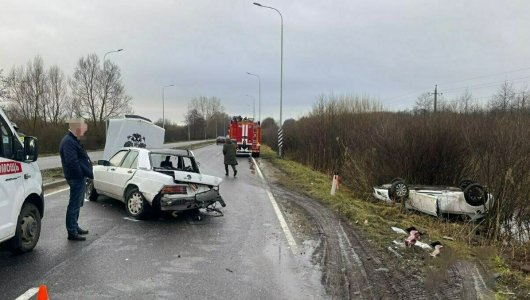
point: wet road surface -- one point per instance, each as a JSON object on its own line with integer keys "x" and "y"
{"x": 241, "y": 255}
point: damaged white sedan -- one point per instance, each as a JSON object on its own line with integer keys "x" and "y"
{"x": 149, "y": 180}
{"x": 469, "y": 199}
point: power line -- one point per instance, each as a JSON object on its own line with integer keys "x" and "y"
{"x": 485, "y": 76}
{"x": 457, "y": 81}
{"x": 489, "y": 84}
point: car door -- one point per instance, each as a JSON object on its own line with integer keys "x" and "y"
{"x": 11, "y": 182}
{"x": 104, "y": 177}
{"x": 124, "y": 172}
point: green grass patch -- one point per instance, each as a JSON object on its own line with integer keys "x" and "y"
{"x": 375, "y": 218}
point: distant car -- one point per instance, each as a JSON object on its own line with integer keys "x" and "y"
{"x": 469, "y": 198}
{"x": 220, "y": 140}
{"x": 148, "y": 179}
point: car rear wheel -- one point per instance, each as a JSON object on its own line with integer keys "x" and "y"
{"x": 475, "y": 195}
{"x": 28, "y": 230}
{"x": 398, "y": 191}
{"x": 90, "y": 192}
{"x": 136, "y": 205}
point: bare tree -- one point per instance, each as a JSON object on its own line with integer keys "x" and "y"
{"x": 522, "y": 100}
{"x": 25, "y": 89}
{"x": 465, "y": 101}
{"x": 195, "y": 122}
{"x": 57, "y": 105}
{"x": 84, "y": 85}
{"x": 504, "y": 99}
{"x": 3, "y": 87}
{"x": 35, "y": 80}
{"x": 423, "y": 104}
{"x": 207, "y": 108}
{"x": 113, "y": 100}
{"x": 99, "y": 93}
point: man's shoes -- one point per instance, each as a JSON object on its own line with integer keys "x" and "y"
{"x": 235, "y": 173}
{"x": 76, "y": 237}
{"x": 226, "y": 174}
{"x": 81, "y": 231}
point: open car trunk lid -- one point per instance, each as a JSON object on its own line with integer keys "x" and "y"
{"x": 197, "y": 178}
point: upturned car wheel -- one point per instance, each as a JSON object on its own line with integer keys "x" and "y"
{"x": 136, "y": 205}
{"x": 90, "y": 192}
{"x": 397, "y": 179}
{"x": 475, "y": 195}
{"x": 398, "y": 191}
{"x": 28, "y": 230}
{"x": 464, "y": 183}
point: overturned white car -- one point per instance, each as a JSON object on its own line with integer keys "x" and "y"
{"x": 154, "y": 180}
{"x": 470, "y": 198}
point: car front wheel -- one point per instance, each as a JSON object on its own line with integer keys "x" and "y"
{"x": 136, "y": 205}
{"x": 398, "y": 191}
{"x": 90, "y": 192}
{"x": 28, "y": 230}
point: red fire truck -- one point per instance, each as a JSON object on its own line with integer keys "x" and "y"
{"x": 246, "y": 134}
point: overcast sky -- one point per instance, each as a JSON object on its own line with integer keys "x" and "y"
{"x": 391, "y": 50}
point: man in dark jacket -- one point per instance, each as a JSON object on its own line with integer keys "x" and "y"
{"x": 229, "y": 151}
{"x": 77, "y": 167}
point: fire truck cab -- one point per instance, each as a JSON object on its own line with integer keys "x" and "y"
{"x": 246, "y": 134}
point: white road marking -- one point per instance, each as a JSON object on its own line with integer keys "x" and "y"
{"x": 130, "y": 219}
{"x": 56, "y": 192}
{"x": 28, "y": 294}
{"x": 279, "y": 215}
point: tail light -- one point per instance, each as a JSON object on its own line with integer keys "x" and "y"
{"x": 174, "y": 189}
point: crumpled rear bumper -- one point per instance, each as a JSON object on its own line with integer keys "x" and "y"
{"x": 183, "y": 202}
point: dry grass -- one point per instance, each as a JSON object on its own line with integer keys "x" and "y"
{"x": 376, "y": 218}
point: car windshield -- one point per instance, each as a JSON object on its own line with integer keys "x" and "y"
{"x": 173, "y": 162}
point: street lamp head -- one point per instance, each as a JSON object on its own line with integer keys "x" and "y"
{"x": 119, "y": 50}
{"x": 256, "y": 3}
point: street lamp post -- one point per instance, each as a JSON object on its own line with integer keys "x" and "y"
{"x": 253, "y": 106}
{"x": 280, "y": 133}
{"x": 259, "y": 95}
{"x": 163, "y": 108}
{"x": 118, "y": 50}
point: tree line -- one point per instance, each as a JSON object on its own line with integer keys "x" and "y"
{"x": 368, "y": 146}
{"x": 40, "y": 99}
{"x": 507, "y": 99}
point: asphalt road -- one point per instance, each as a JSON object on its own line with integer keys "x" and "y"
{"x": 242, "y": 255}
{"x": 50, "y": 162}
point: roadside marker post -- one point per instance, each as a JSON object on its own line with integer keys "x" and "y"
{"x": 334, "y": 184}
{"x": 280, "y": 141}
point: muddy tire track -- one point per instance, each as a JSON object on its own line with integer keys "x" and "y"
{"x": 354, "y": 269}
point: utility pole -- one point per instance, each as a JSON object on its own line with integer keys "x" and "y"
{"x": 435, "y": 96}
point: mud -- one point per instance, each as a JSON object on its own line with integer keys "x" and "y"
{"x": 354, "y": 268}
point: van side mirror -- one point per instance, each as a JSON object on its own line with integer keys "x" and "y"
{"x": 103, "y": 162}
{"x": 31, "y": 148}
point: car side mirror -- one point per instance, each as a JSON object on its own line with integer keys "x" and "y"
{"x": 103, "y": 162}
{"x": 31, "y": 148}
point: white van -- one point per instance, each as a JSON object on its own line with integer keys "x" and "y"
{"x": 21, "y": 195}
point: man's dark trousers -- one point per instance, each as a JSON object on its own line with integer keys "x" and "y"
{"x": 77, "y": 197}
